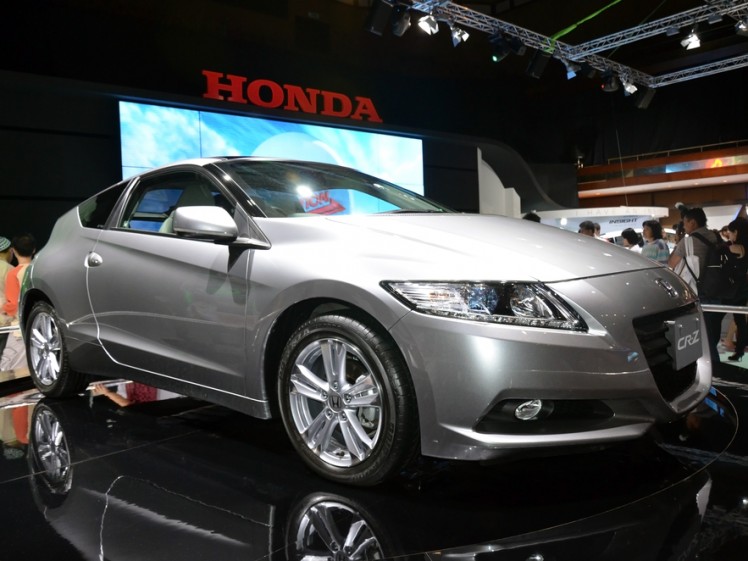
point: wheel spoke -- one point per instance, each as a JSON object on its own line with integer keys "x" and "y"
{"x": 359, "y": 540}
{"x": 320, "y": 431}
{"x": 324, "y": 524}
{"x": 321, "y": 557}
{"x": 50, "y": 329}
{"x": 356, "y": 438}
{"x": 308, "y": 384}
{"x": 353, "y": 442}
{"x": 355, "y": 532}
{"x": 54, "y": 365}
{"x": 333, "y": 356}
{"x": 37, "y": 339}
{"x": 364, "y": 393}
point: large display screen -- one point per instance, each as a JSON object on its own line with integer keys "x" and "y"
{"x": 154, "y": 135}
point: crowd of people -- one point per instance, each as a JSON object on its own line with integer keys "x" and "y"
{"x": 693, "y": 237}
{"x": 698, "y": 243}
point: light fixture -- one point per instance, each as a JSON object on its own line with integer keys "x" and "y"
{"x": 610, "y": 82}
{"x": 429, "y": 24}
{"x": 538, "y": 63}
{"x": 459, "y": 35}
{"x": 741, "y": 28}
{"x": 628, "y": 85}
{"x": 502, "y": 46}
{"x": 400, "y": 20}
{"x": 692, "y": 41}
{"x": 571, "y": 69}
{"x": 714, "y": 18}
{"x": 379, "y": 16}
{"x": 672, "y": 31}
{"x": 644, "y": 97}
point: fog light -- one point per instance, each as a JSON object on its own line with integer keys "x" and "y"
{"x": 528, "y": 410}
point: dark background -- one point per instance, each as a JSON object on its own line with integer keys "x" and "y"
{"x": 64, "y": 65}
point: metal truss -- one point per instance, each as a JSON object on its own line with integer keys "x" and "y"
{"x": 455, "y": 14}
{"x": 651, "y": 29}
{"x": 699, "y": 71}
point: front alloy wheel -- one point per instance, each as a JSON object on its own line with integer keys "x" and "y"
{"x": 347, "y": 401}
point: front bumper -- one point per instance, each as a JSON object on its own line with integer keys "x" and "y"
{"x": 468, "y": 375}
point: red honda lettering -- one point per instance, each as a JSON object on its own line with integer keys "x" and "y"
{"x": 214, "y": 86}
{"x": 254, "y": 93}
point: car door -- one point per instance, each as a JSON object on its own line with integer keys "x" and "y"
{"x": 169, "y": 305}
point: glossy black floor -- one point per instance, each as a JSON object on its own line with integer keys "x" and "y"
{"x": 182, "y": 480}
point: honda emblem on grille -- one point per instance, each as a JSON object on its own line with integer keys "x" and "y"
{"x": 668, "y": 287}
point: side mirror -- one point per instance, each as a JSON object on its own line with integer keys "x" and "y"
{"x": 205, "y": 222}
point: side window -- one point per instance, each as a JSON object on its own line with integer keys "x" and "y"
{"x": 153, "y": 201}
{"x": 95, "y": 211}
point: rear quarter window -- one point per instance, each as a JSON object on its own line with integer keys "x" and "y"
{"x": 95, "y": 211}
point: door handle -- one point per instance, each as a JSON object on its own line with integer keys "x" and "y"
{"x": 94, "y": 260}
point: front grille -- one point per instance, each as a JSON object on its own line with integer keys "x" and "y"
{"x": 651, "y": 332}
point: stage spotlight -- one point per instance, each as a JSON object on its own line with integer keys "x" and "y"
{"x": 692, "y": 41}
{"x": 429, "y": 24}
{"x": 628, "y": 85}
{"x": 459, "y": 35}
{"x": 517, "y": 46}
{"x": 500, "y": 52}
{"x": 503, "y": 46}
{"x": 610, "y": 82}
{"x": 379, "y": 16}
{"x": 741, "y": 28}
{"x": 538, "y": 63}
{"x": 672, "y": 31}
{"x": 571, "y": 69}
{"x": 400, "y": 21}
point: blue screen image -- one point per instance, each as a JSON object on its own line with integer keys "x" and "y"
{"x": 154, "y": 135}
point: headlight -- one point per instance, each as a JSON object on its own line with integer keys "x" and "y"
{"x": 515, "y": 303}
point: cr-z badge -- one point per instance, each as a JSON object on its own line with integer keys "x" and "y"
{"x": 667, "y": 287}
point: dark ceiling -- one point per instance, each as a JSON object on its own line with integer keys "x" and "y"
{"x": 588, "y": 20}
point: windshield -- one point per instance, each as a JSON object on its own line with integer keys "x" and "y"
{"x": 283, "y": 189}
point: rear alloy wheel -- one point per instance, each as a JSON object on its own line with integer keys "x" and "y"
{"x": 347, "y": 401}
{"x": 50, "y": 451}
{"x": 47, "y": 354}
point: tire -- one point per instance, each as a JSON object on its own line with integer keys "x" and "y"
{"x": 47, "y": 354}
{"x": 359, "y": 439}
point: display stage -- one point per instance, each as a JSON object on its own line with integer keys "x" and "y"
{"x": 149, "y": 475}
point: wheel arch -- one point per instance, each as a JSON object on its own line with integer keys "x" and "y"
{"x": 288, "y": 321}
{"x": 31, "y": 297}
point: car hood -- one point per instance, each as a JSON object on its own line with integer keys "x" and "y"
{"x": 457, "y": 246}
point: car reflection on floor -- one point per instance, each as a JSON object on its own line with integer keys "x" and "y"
{"x": 178, "y": 479}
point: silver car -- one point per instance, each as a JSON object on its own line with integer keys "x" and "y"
{"x": 376, "y": 323}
